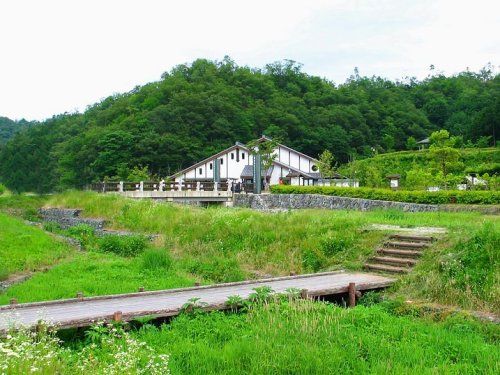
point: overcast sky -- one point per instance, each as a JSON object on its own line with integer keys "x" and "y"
{"x": 62, "y": 55}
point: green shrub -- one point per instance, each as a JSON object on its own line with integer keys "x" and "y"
{"x": 3, "y": 189}
{"x": 127, "y": 246}
{"x": 51, "y": 226}
{"x": 217, "y": 269}
{"x": 425, "y": 197}
{"x": 83, "y": 233}
{"x": 155, "y": 259}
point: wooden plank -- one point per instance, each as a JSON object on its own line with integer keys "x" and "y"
{"x": 81, "y": 312}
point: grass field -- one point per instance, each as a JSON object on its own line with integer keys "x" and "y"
{"x": 219, "y": 244}
{"x": 26, "y": 248}
{"x": 222, "y": 245}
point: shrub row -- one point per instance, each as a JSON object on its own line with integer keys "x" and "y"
{"x": 426, "y": 197}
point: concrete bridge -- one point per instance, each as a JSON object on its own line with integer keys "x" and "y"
{"x": 184, "y": 192}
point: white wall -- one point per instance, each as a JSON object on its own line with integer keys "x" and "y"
{"x": 230, "y": 168}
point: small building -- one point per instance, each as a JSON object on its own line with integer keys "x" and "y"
{"x": 394, "y": 180}
{"x": 423, "y": 144}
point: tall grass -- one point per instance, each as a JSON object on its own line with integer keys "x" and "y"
{"x": 27, "y": 248}
{"x": 305, "y": 338}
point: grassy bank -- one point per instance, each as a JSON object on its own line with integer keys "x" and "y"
{"x": 290, "y": 337}
{"x": 26, "y": 248}
{"x": 221, "y": 245}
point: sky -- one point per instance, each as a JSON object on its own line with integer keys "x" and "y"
{"x": 62, "y": 55}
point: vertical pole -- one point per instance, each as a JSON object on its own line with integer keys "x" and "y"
{"x": 117, "y": 316}
{"x": 352, "y": 294}
{"x": 198, "y": 186}
{"x": 141, "y": 186}
{"x": 120, "y": 187}
{"x": 216, "y": 186}
{"x": 257, "y": 175}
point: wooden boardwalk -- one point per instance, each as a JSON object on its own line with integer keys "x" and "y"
{"x": 85, "y": 311}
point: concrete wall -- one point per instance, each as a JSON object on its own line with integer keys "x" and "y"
{"x": 297, "y": 201}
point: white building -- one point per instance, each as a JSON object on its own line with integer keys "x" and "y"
{"x": 236, "y": 164}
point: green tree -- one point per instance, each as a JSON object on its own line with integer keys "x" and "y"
{"x": 439, "y": 138}
{"x": 411, "y": 143}
{"x": 265, "y": 148}
{"x": 326, "y": 164}
{"x": 444, "y": 158}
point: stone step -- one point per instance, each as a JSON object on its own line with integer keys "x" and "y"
{"x": 386, "y": 268}
{"x": 411, "y": 238}
{"x": 394, "y": 260}
{"x": 406, "y": 245}
{"x": 401, "y": 253}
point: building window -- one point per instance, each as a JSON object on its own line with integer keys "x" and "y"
{"x": 210, "y": 166}
{"x": 200, "y": 171}
{"x": 242, "y": 155}
{"x": 232, "y": 155}
{"x": 314, "y": 168}
{"x": 221, "y": 161}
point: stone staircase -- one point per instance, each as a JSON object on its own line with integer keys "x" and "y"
{"x": 399, "y": 253}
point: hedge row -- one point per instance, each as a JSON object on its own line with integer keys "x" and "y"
{"x": 427, "y": 197}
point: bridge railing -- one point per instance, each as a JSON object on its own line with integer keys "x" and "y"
{"x": 124, "y": 186}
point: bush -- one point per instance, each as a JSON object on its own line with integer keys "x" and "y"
{"x": 3, "y": 189}
{"x": 127, "y": 246}
{"x": 155, "y": 259}
{"x": 425, "y": 197}
{"x": 83, "y": 233}
{"x": 217, "y": 269}
{"x": 51, "y": 226}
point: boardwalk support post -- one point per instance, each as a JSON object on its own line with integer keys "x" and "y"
{"x": 197, "y": 284}
{"x": 352, "y": 294}
{"x": 141, "y": 289}
{"x": 304, "y": 294}
{"x": 13, "y": 301}
{"x": 117, "y": 316}
{"x": 79, "y": 295}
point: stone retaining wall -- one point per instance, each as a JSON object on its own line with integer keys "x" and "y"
{"x": 297, "y": 201}
{"x": 67, "y": 218}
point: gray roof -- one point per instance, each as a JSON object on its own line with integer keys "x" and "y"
{"x": 248, "y": 172}
{"x": 426, "y": 140}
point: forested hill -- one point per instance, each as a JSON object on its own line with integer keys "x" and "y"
{"x": 198, "y": 109}
{"x": 10, "y": 127}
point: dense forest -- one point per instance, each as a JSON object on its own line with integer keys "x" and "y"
{"x": 201, "y": 108}
{"x": 8, "y": 128}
